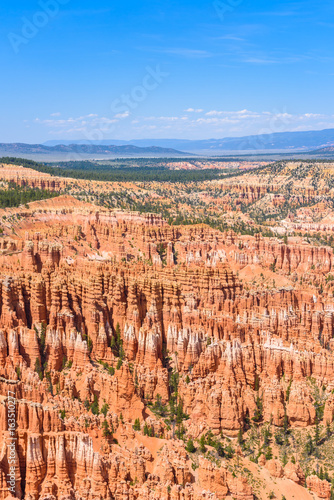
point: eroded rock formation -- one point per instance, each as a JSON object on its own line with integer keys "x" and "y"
{"x": 99, "y": 310}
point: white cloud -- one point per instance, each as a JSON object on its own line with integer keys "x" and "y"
{"x": 89, "y": 120}
{"x": 182, "y": 52}
{"x": 193, "y": 123}
{"x": 221, "y": 123}
{"x": 242, "y": 113}
{"x": 86, "y": 125}
{"x": 122, "y": 115}
{"x": 192, "y": 110}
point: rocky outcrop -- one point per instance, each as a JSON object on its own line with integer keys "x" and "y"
{"x": 275, "y": 468}
{"x": 321, "y": 488}
{"x": 108, "y": 318}
{"x": 295, "y": 473}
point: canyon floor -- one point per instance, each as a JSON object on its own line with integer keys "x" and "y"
{"x": 169, "y": 340}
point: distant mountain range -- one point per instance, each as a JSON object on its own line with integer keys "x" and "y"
{"x": 279, "y": 141}
{"x": 86, "y": 149}
{"x": 328, "y": 151}
{"x": 314, "y": 142}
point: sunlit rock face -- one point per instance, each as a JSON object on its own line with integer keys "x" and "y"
{"x": 101, "y": 308}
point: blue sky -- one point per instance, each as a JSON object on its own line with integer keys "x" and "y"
{"x": 186, "y": 69}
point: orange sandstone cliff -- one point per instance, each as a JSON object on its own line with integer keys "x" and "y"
{"x": 124, "y": 339}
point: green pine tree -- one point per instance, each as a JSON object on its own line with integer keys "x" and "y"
{"x": 202, "y": 447}
{"x": 190, "y": 448}
{"x": 136, "y": 425}
{"x": 240, "y": 437}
